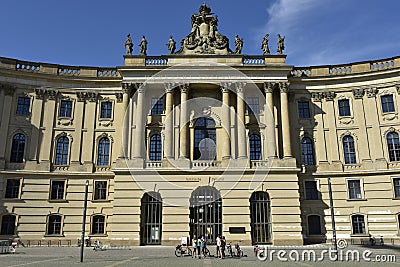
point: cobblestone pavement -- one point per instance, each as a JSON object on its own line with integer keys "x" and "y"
{"x": 164, "y": 256}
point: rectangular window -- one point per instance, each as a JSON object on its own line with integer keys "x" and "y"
{"x": 65, "y": 109}
{"x": 314, "y": 225}
{"x": 157, "y": 106}
{"x": 387, "y": 103}
{"x": 303, "y": 109}
{"x": 354, "y": 187}
{"x": 253, "y": 105}
{"x": 57, "y": 190}
{"x": 396, "y": 185}
{"x": 311, "y": 190}
{"x": 358, "y": 224}
{"x": 23, "y": 105}
{"x": 12, "y": 188}
{"x": 100, "y": 190}
{"x": 106, "y": 110}
{"x": 344, "y": 107}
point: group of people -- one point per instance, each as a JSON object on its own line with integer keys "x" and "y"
{"x": 199, "y": 247}
{"x": 221, "y": 245}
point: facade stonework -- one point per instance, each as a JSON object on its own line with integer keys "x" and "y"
{"x": 199, "y": 143}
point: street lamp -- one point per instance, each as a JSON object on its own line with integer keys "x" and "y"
{"x": 84, "y": 218}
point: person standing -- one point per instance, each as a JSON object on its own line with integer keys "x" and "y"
{"x": 218, "y": 246}
{"x": 223, "y": 244}
{"x": 203, "y": 246}
{"x": 194, "y": 246}
{"x": 198, "y": 247}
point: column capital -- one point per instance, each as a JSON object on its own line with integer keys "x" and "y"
{"x": 398, "y": 88}
{"x": 317, "y": 96}
{"x": 269, "y": 87}
{"x": 225, "y": 87}
{"x": 239, "y": 86}
{"x": 330, "y": 95}
{"x": 40, "y": 93}
{"x": 373, "y": 91}
{"x": 91, "y": 96}
{"x": 169, "y": 87}
{"x": 52, "y": 94}
{"x": 184, "y": 87}
{"x": 119, "y": 97}
{"x": 284, "y": 87}
{"x": 358, "y": 93}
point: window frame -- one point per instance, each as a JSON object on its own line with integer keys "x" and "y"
{"x": 155, "y": 105}
{"x": 103, "y": 155}
{"x": 317, "y": 187}
{"x": 19, "y": 151}
{"x": 361, "y": 183}
{"x": 308, "y": 149}
{"x": 394, "y": 187}
{"x": 63, "y": 199}
{"x": 391, "y": 149}
{"x": 63, "y": 155}
{"x": 26, "y": 106}
{"x": 111, "y": 111}
{"x": 61, "y": 107}
{"x": 254, "y": 150}
{"x": 320, "y": 225}
{"x": 392, "y": 107}
{"x": 299, "y": 114}
{"x": 19, "y": 188}
{"x": 153, "y": 152}
{"x": 351, "y": 152}
{"x": 92, "y": 221}
{"x": 365, "y": 224}
{"x": 95, "y": 189}
{"x": 61, "y": 224}
{"x": 340, "y": 108}
{"x": 15, "y": 224}
{"x": 253, "y": 108}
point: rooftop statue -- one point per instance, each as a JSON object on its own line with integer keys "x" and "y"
{"x": 171, "y": 45}
{"x": 128, "y": 45}
{"x": 204, "y": 38}
{"x": 265, "y": 46}
{"x": 281, "y": 44}
{"x": 143, "y": 46}
{"x": 238, "y": 44}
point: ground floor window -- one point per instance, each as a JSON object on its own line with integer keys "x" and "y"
{"x": 314, "y": 225}
{"x": 151, "y": 219}
{"x": 358, "y": 224}
{"x": 8, "y": 225}
{"x": 98, "y": 224}
{"x": 54, "y": 224}
{"x": 260, "y": 215}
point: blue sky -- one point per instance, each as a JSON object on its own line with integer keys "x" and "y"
{"x": 92, "y": 33}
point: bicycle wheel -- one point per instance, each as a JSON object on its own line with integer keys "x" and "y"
{"x": 178, "y": 253}
{"x": 189, "y": 252}
{"x": 206, "y": 252}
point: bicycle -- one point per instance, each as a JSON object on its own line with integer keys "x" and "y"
{"x": 182, "y": 251}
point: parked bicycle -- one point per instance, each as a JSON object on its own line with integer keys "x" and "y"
{"x": 98, "y": 246}
{"x": 182, "y": 251}
{"x": 239, "y": 252}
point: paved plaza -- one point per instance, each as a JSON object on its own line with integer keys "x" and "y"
{"x": 164, "y": 256}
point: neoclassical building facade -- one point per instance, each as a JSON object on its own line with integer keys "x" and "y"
{"x": 202, "y": 142}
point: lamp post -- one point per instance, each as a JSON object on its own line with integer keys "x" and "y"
{"x": 84, "y": 219}
{"x": 332, "y": 215}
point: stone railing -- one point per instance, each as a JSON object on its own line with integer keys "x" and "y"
{"x": 103, "y": 168}
{"x": 27, "y": 66}
{"x": 153, "y": 164}
{"x": 205, "y": 164}
{"x": 346, "y": 69}
{"x": 60, "y": 167}
{"x": 253, "y": 60}
{"x": 69, "y": 71}
{"x": 156, "y": 61}
{"x": 259, "y": 164}
{"x": 108, "y": 72}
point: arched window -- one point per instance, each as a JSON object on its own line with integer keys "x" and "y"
{"x": 62, "y": 151}
{"x": 255, "y": 147}
{"x": 18, "y": 148}
{"x": 8, "y": 225}
{"x": 307, "y": 151}
{"x": 155, "y": 152}
{"x": 206, "y": 213}
{"x": 393, "y": 143}
{"x": 205, "y": 139}
{"x": 151, "y": 219}
{"x": 314, "y": 225}
{"x": 98, "y": 224}
{"x": 260, "y": 215}
{"x": 349, "y": 150}
{"x": 54, "y": 224}
{"x": 103, "y": 153}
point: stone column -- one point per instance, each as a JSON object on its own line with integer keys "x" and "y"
{"x": 330, "y": 120}
{"x": 242, "y": 142}
{"x": 168, "y": 136}
{"x": 47, "y": 142}
{"x": 226, "y": 121}
{"x": 126, "y": 89}
{"x": 184, "y": 123}
{"x": 5, "y": 119}
{"x": 287, "y": 147}
{"x": 359, "y": 116}
{"x": 37, "y": 110}
{"x": 139, "y": 133}
{"x": 270, "y": 141}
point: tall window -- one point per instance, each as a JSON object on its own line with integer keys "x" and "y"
{"x": 358, "y": 224}
{"x": 260, "y": 218}
{"x": 23, "y": 105}
{"x": 18, "y": 148}
{"x": 396, "y": 187}
{"x": 106, "y": 110}
{"x": 303, "y": 109}
{"x": 205, "y": 139}
{"x": 253, "y": 105}
{"x": 206, "y": 213}
{"x": 65, "y": 109}
{"x": 57, "y": 190}
{"x": 393, "y": 143}
{"x": 344, "y": 107}
{"x": 255, "y": 147}
{"x": 100, "y": 190}
{"x": 62, "y": 151}
{"x": 354, "y": 187}
{"x": 387, "y": 103}
{"x": 54, "y": 224}
{"x": 314, "y": 225}
{"x": 103, "y": 153}
{"x": 8, "y": 225}
{"x": 349, "y": 150}
{"x": 12, "y": 188}
{"x": 98, "y": 224}
{"x": 151, "y": 219}
{"x": 311, "y": 190}
{"x": 157, "y": 106}
{"x": 155, "y": 153}
{"x": 307, "y": 151}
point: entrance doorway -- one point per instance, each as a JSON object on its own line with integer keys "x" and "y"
{"x": 260, "y": 213}
{"x": 151, "y": 219}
